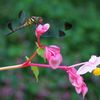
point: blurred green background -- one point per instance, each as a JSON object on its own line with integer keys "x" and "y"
{"x": 82, "y": 41}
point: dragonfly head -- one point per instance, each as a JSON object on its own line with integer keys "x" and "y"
{"x": 37, "y": 20}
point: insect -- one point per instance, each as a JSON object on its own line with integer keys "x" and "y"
{"x": 27, "y": 22}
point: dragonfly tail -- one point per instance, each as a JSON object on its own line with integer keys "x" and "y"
{"x": 14, "y": 30}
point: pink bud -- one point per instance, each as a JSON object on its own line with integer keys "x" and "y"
{"x": 41, "y": 29}
{"x": 52, "y": 54}
{"x": 77, "y": 81}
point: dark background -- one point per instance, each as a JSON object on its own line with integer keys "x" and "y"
{"x": 82, "y": 41}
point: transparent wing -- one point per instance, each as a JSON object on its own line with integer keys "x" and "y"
{"x": 17, "y": 25}
{"x": 22, "y": 17}
{"x": 58, "y": 28}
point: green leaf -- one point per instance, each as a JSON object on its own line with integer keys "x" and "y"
{"x": 26, "y": 57}
{"x": 40, "y": 52}
{"x": 35, "y": 70}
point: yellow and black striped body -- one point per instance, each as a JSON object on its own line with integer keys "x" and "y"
{"x": 28, "y": 22}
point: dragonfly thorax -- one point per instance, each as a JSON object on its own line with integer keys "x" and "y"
{"x": 28, "y": 22}
{"x": 37, "y": 20}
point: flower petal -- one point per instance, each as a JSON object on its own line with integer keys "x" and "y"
{"x": 46, "y": 27}
{"x": 55, "y": 61}
{"x": 93, "y": 59}
{"x": 77, "y": 81}
{"x": 92, "y": 67}
{"x": 53, "y": 56}
{"x": 98, "y": 61}
{"x": 78, "y": 90}
{"x": 83, "y": 69}
{"x": 41, "y": 29}
{"x": 84, "y": 90}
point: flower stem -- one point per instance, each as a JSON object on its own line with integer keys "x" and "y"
{"x": 28, "y": 63}
{"x": 11, "y": 67}
{"x": 47, "y": 66}
{"x": 33, "y": 55}
{"x": 23, "y": 65}
{"x": 39, "y": 65}
{"x": 75, "y": 65}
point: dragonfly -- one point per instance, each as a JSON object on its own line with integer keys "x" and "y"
{"x": 27, "y": 22}
{"x": 58, "y": 28}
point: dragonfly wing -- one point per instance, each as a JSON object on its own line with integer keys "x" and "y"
{"x": 10, "y": 26}
{"x": 61, "y": 33}
{"x": 67, "y": 26}
{"x": 22, "y": 17}
{"x": 58, "y": 28}
{"x": 20, "y": 13}
{"x": 18, "y": 24}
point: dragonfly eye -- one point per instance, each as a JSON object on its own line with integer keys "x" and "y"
{"x": 40, "y": 19}
{"x": 37, "y": 20}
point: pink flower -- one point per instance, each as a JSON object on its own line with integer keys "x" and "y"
{"x": 41, "y": 29}
{"x": 77, "y": 81}
{"x": 89, "y": 66}
{"x": 53, "y": 56}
